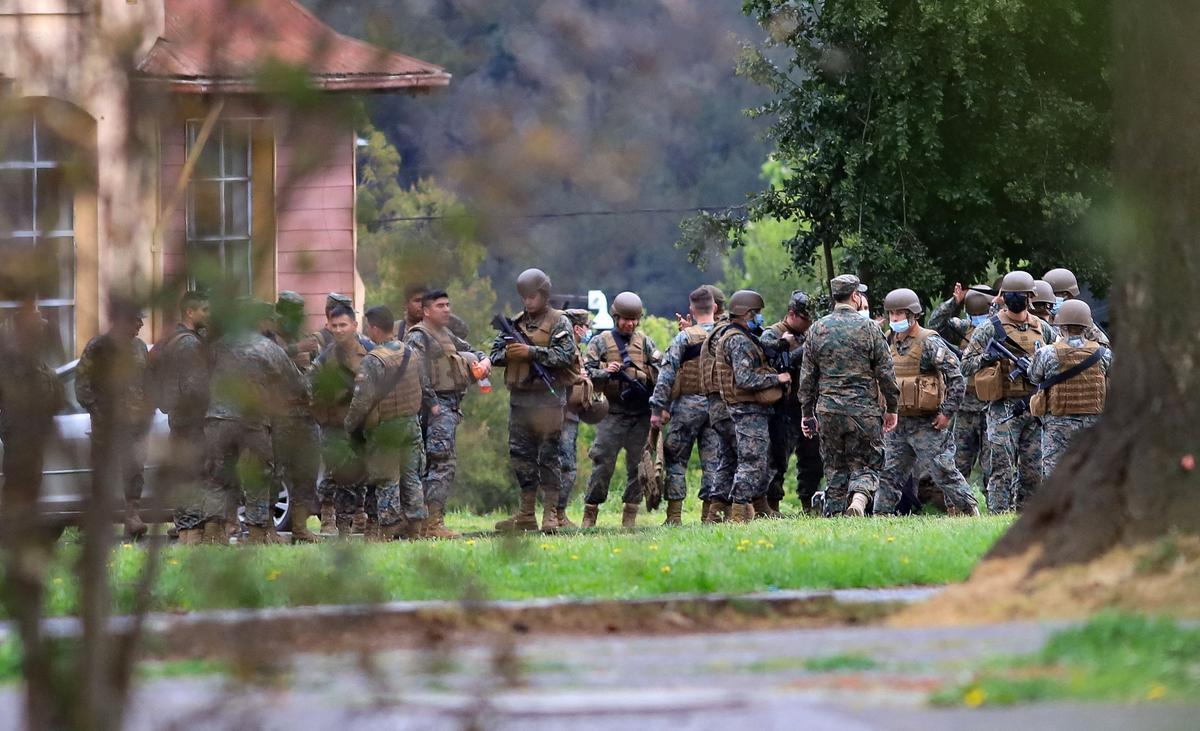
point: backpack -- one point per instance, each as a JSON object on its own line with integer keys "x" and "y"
{"x": 161, "y": 384}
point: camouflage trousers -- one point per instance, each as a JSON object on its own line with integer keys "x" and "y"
{"x": 751, "y": 427}
{"x": 441, "y": 453}
{"x": 123, "y": 448}
{"x": 185, "y": 473}
{"x": 689, "y": 426}
{"x": 297, "y": 444}
{"x": 721, "y": 423}
{"x": 534, "y": 441}
{"x": 1057, "y": 434}
{"x": 240, "y": 464}
{"x": 852, "y": 450}
{"x": 568, "y": 458}
{"x": 1016, "y": 455}
{"x": 915, "y": 443}
{"x": 395, "y": 460}
{"x": 344, "y": 484}
{"x": 971, "y": 444}
{"x": 618, "y": 431}
{"x": 786, "y": 440}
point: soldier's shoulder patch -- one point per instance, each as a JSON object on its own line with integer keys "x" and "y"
{"x": 561, "y": 334}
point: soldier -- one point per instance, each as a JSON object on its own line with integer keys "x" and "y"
{"x": 251, "y": 378}
{"x": 581, "y": 323}
{"x": 332, "y": 381}
{"x": 624, "y": 363}
{"x": 324, "y": 337}
{"x": 414, "y": 309}
{"x": 717, "y": 508}
{"x": 970, "y": 424}
{"x": 1042, "y": 303}
{"x": 1066, "y": 288}
{"x": 390, "y": 391}
{"x": 931, "y": 390}
{"x": 750, "y": 388}
{"x": 110, "y": 382}
{"x": 535, "y": 413}
{"x": 784, "y": 343}
{"x": 679, "y": 400}
{"x": 1014, "y": 433}
{"x": 295, "y": 436}
{"x": 179, "y": 385}
{"x": 446, "y": 362}
{"x": 847, "y": 365}
{"x": 1072, "y": 381}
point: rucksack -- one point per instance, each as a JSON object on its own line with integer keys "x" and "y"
{"x": 161, "y": 384}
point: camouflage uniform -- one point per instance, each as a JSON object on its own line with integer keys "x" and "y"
{"x": 110, "y": 382}
{"x": 627, "y": 425}
{"x": 1059, "y": 431}
{"x": 331, "y": 380}
{"x": 786, "y": 436}
{"x": 535, "y": 414}
{"x": 180, "y": 366}
{"x": 441, "y": 429}
{"x": 751, "y": 421}
{"x": 914, "y": 441}
{"x": 846, "y": 367}
{"x": 970, "y": 424}
{"x": 568, "y": 457}
{"x": 395, "y": 455}
{"x": 252, "y": 378}
{"x": 1015, "y": 435}
{"x": 295, "y": 436}
{"x": 689, "y": 425}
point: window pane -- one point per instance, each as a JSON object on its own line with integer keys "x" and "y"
{"x": 237, "y": 209}
{"x": 16, "y": 138}
{"x": 58, "y": 273}
{"x": 237, "y": 150}
{"x": 55, "y": 204}
{"x": 50, "y": 147}
{"x": 208, "y": 165}
{"x": 59, "y": 344}
{"x": 204, "y": 266}
{"x": 16, "y": 200}
{"x": 204, "y": 219}
{"x": 237, "y": 263}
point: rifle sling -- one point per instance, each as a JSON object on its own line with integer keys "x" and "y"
{"x": 391, "y": 382}
{"x": 1013, "y": 345}
{"x": 1073, "y": 371}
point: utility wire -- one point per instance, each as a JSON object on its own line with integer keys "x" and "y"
{"x": 564, "y": 214}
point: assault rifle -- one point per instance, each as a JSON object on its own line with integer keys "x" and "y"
{"x": 511, "y": 334}
{"x": 1020, "y": 363}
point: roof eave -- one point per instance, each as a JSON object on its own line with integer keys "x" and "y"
{"x": 358, "y": 83}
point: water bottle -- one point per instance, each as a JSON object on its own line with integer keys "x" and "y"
{"x": 485, "y": 384}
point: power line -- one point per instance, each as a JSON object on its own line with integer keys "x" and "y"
{"x": 565, "y": 214}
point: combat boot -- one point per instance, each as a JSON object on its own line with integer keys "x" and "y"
{"x": 300, "y": 531}
{"x": 858, "y": 506}
{"x": 563, "y": 520}
{"x": 135, "y": 528}
{"x": 526, "y": 517}
{"x": 328, "y": 519}
{"x": 705, "y": 509}
{"x": 359, "y": 524}
{"x": 407, "y": 530}
{"x": 344, "y": 525}
{"x": 435, "y": 524}
{"x": 674, "y": 513}
{"x": 741, "y": 513}
{"x": 373, "y": 532}
{"x": 549, "y": 511}
{"x": 719, "y": 512}
{"x": 256, "y": 535}
{"x": 191, "y": 536}
{"x": 215, "y": 533}
{"x": 629, "y": 516}
{"x": 590, "y": 514}
{"x": 762, "y": 509}
{"x": 773, "y": 507}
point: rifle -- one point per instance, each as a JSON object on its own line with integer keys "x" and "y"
{"x": 1020, "y": 367}
{"x": 512, "y": 335}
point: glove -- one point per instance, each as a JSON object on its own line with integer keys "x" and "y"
{"x": 517, "y": 353}
{"x": 989, "y": 359}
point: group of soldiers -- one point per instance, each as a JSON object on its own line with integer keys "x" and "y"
{"x": 360, "y": 423}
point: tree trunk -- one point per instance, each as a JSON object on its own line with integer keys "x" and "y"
{"x": 1133, "y": 478}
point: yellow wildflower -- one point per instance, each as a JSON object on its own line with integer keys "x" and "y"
{"x": 975, "y": 697}
{"x": 652, "y": 547}
{"x": 891, "y": 539}
{"x": 1156, "y": 691}
{"x": 666, "y": 569}
{"x": 470, "y": 541}
{"x": 273, "y": 574}
{"x": 574, "y": 557}
{"x": 617, "y": 550}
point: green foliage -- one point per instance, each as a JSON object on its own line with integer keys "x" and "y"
{"x": 933, "y": 140}
{"x": 660, "y": 330}
{"x": 1113, "y": 657}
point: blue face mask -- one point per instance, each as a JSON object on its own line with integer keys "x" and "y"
{"x": 899, "y": 327}
{"x": 759, "y": 320}
{"x": 587, "y": 337}
{"x": 978, "y": 320}
{"x": 1058, "y": 303}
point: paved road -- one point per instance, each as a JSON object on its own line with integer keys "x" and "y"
{"x": 761, "y": 680}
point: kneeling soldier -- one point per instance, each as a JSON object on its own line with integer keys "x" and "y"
{"x": 385, "y": 410}
{"x": 931, "y": 390}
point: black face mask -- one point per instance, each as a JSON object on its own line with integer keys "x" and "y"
{"x": 1016, "y": 301}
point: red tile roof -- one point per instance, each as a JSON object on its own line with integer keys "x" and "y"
{"x": 220, "y": 46}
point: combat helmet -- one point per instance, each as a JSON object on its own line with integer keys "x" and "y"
{"x": 1062, "y": 280}
{"x": 627, "y": 305}
{"x": 1074, "y": 312}
{"x": 1017, "y": 281}
{"x": 745, "y": 300}
{"x": 532, "y": 281}
{"x": 902, "y": 299}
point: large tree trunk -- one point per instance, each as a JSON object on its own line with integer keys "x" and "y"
{"x": 1133, "y": 479}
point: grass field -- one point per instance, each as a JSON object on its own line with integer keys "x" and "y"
{"x": 765, "y": 555}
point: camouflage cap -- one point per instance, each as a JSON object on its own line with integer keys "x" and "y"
{"x": 579, "y": 317}
{"x": 336, "y": 298}
{"x": 288, "y": 297}
{"x": 845, "y": 284}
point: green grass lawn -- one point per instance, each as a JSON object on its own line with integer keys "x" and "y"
{"x": 797, "y": 553}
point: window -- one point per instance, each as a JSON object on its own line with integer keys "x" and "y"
{"x": 37, "y": 224}
{"x": 219, "y": 207}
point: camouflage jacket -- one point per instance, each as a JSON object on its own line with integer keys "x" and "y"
{"x": 773, "y": 341}
{"x": 976, "y": 355}
{"x": 30, "y": 394}
{"x": 253, "y": 380}
{"x": 1045, "y": 361}
{"x": 420, "y": 343}
{"x": 846, "y": 366}
{"x": 560, "y": 353}
{"x": 937, "y": 356}
{"x": 110, "y": 381}
{"x": 371, "y": 379}
{"x": 746, "y": 359}
{"x": 182, "y": 370}
{"x": 669, "y": 368}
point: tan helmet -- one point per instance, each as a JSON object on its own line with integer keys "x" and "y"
{"x": 1063, "y": 280}
{"x": 1042, "y": 293}
{"x": 1017, "y": 281}
{"x": 627, "y": 305}
{"x": 977, "y": 302}
{"x": 531, "y": 281}
{"x": 902, "y": 299}
{"x": 1074, "y": 312}
{"x": 745, "y": 300}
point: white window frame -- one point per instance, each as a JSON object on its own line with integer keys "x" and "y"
{"x": 224, "y": 239}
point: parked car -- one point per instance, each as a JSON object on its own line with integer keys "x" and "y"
{"x": 67, "y": 473}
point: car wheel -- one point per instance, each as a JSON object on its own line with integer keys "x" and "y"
{"x": 282, "y": 510}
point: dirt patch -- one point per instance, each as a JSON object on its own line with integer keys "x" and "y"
{"x": 1158, "y": 578}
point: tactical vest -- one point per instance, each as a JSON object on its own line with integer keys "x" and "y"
{"x": 992, "y": 382}
{"x": 448, "y": 369}
{"x": 1085, "y": 393}
{"x": 687, "y": 378}
{"x": 405, "y": 397}
{"x": 963, "y": 347}
{"x": 709, "y": 357}
{"x": 330, "y": 403}
{"x": 641, "y": 370}
{"x": 519, "y": 376}
{"x": 731, "y": 393}
{"x": 921, "y": 394}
